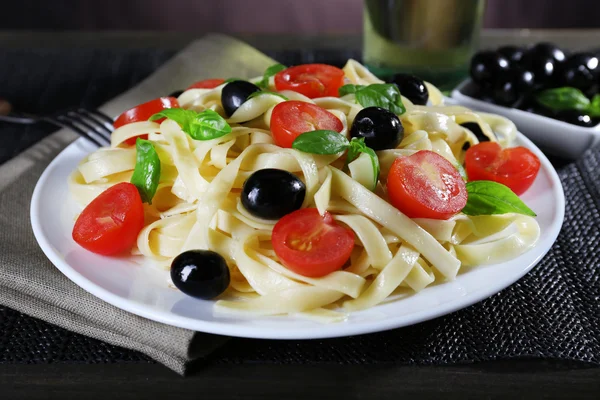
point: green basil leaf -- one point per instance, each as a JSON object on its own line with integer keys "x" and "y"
{"x": 489, "y": 198}
{"x": 347, "y": 89}
{"x": 321, "y": 142}
{"x": 358, "y": 146}
{"x": 255, "y": 94}
{"x": 269, "y": 72}
{"x": 564, "y": 98}
{"x": 594, "y": 108}
{"x": 205, "y": 125}
{"x": 146, "y": 174}
{"x": 383, "y": 95}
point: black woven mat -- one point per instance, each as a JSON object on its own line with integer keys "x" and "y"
{"x": 553, "y": 312}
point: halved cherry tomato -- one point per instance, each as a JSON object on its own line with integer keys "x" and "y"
{"x": 111, "y": 223}
{"x": 311, "y": 80}
{"x": 426, "y": 185}
{"x": 310, "y": 244}
{"x": 207, "y": 84}
{"x": 515, "y": 167}
{"x": 289, "y": 119}
{"x": 144, "y": 111}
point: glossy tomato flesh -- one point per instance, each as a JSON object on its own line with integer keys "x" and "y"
{"x": 290, "y": 119}
{"x": 110, "y": 224}
{"x": 515, "y": 167}
{"x": 144, "y": 111}
{"x": 207, "y": 84}
{"x": 311, "y": 80}
{"x": 426, "y": 185}
{"x": 311, "y": 244}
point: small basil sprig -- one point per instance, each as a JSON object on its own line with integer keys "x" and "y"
{"x": 205, "y": 125}
{"x": 269, "y": 72}
{"x": 147, "y": 170}
{"x": 383, "y": 95}
{"x": 260, "y": 93}
{"x": 569, "y": 98}
{"x": 489, "y": 198}
{"x": 328, "y": 142}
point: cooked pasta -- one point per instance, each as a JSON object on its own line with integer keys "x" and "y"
{"x": 197, "y": 203}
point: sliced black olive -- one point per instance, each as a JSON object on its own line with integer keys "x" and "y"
{"x": 381, "y": 128}
{"x": 176, "y": 93}
{"x": 543, "y": 59}
{"x": 487, "y": 67}
{"x": 200, "y": 273}
{"x": 235, "y": 93}
{"x": 412, "y": 88}
{"x": 512, "y": 53}
{"x": 576, "y": 117}
{"x": 272, "y": 193}
{"x": 476, "y": 129}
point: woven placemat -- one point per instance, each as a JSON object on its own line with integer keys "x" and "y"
{"x": 553, "y": 312}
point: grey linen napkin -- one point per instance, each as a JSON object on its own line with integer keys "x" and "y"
{"x": 31, "y": 284}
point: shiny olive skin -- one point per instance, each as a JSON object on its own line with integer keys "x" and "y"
{"x": 544, "y": 60}
{"x": 505, "y": 93}
{"x": 512, "y": 53}
{"x": 411, "y": 87}
{"x": 176, "y": 93}
{"x": 487, "y": 67}
{"x": 576, "y": 117}
{"x": 235, "y": 93}
{"x": 523, "y": 80}
{"x": 200, "y": 273}
{"x": 476, "y": 129}
{"x": 272, "y": 193}
{"x": 580, "y": 71}
{"x": 381, "y": 128}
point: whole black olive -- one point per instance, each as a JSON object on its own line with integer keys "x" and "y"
{"x": 523, "y": 80}
{"x": 505, "y": 93}
{"x": 576, "y": 117}
{"x": 235, "y": 93}
{"x": 543, "y": 59}
{"x": 381, "y": 128}
{"x": 580, "y": 71}
{"x": 176, "y": 93}
{"x": 272, "y": 193}
{"x": 200, "y": 273}
{"x": 412, "y": 88}
{"x": 512, "y": 53}
{"x": 487, "y": 67}
{"x": 476, "y": 129}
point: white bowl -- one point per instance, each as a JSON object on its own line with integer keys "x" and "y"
{"x": 551, "y": 135}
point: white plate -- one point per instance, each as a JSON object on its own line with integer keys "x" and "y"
{"x": 554, "y": 136}
{"x": 144, "y": 292}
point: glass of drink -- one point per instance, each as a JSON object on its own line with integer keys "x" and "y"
{"x": 433, "y": 39}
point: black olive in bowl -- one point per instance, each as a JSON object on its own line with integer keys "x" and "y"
{"x": 487, "y": 67}
{"x": 544, "y": 60}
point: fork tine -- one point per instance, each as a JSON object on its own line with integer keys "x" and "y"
{"x": 108, "y": 121}
{"x": 69, "y": 125}
{"x": 90, "y": 122}
{"x": 89, "y": 126}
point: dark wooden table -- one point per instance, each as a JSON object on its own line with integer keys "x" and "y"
{"x": 498, "y": 379}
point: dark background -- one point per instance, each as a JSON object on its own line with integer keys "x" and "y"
{"x": 266, "y": 16}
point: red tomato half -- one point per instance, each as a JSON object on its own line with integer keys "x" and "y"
{"x": 426, "y": 185}
{"x": 207, "y": 84}
{"x": 290, "y": 119}
{"x": 310, "y": 244}
{"x": 311, "y": 80}
{"x": 515, "y": 167}
{"x": 143, "y": 112}
{"x": 111, "y": 223}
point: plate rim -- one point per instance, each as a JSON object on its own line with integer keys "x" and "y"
{"x": 258, "y": 332}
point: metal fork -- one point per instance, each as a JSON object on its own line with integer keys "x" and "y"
{"x": 93, "y": 125}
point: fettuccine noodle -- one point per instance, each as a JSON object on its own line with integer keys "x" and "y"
{"x": 197, "y": 204}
